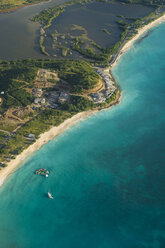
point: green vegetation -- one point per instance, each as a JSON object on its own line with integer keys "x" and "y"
{"x": 78, "y": 104}
{"x": 17, "y": 77}
{"x": 14, "y": 80}
{"x": 2, "y": 136}
{"x": 89, "y": 53}
{"x": 9, "y": 127}
{"x": 22, "y": 96}
{"x": 42, "y": 122}
{"x": 79, "y": 74}
{"x": 46, "y": 16}
{"x": 64, "y": 51}
{"x": 113, "y": 97}
{"x": 81, "y": 43}
{"x": 43, "y": 49}
{"x": 36, "y": 126}
{"x": 128, "y": 31}
{"x": 17, "y": 80}
{"x": 123, "y": 25}
{"x": 106, "y": 31}
{"x": 154, "y": 3}
{"x": 7, "y": 5}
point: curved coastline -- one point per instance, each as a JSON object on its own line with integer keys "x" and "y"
{"x": 54, "y": 131}
{"x": 141, "y": 31}
{"x": 43, "y": 139}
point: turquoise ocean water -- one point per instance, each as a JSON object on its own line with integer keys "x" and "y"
{"x": 107, "y": 172}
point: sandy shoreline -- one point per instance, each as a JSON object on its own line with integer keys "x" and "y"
{"x": 141, "y": 31}
{"x": 43, "y": 139}
{"x": 54, "y": 131}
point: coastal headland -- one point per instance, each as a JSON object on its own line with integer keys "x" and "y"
{"x": 92, "y": 97}
{"x": 38, "y": 99}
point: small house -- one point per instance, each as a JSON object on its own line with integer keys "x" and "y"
{"x": 31, "y": 136}
{"x": 42, "y": 101}
{"x": 36, "y": 100}
{"x": 37, "y": 92}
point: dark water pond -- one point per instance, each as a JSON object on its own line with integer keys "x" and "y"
{"x": 20, "y": 37}
{"x": 95, "y": 18}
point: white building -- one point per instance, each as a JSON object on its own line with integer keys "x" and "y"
{"x": 39, "y": 100}
{"x": 31, "y": 136}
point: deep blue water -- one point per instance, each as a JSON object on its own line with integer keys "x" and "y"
{"x": 107, "y": 172}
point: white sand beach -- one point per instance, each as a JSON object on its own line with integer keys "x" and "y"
{"x": 54, "y": 131}
{"x": 141, "y": 31}
{"x": 43, "y": 139}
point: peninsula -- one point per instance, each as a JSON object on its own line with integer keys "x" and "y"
{"x": 39, "y": 99}
{"x": 38, "y": 95}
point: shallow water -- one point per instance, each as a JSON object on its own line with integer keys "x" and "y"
{"x": 20, "y": 37}
{"x": 106, "y": 173}
{"x": 94, "y": 17}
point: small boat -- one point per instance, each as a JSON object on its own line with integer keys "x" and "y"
{"x": 42, "y": 172}
{"x": 50, "y": 195}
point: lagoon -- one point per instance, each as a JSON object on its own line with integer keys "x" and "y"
{"x": 20, "y": 36}
{"x": 106, "y": 173}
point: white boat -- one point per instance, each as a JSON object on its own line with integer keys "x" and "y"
{"x": 50, "y": 195}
